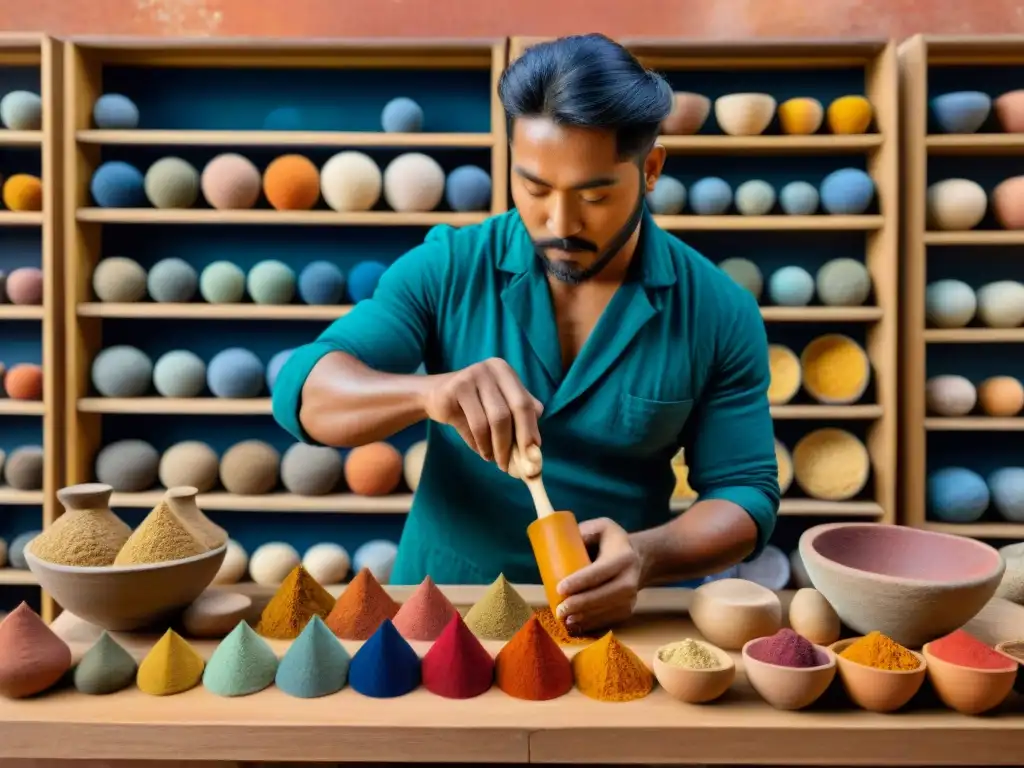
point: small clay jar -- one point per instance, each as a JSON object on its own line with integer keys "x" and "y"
{"x": 182, "y": 499}
{"x": 85, "y": 496}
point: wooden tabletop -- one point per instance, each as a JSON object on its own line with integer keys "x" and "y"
{"x": 496, "y": 728}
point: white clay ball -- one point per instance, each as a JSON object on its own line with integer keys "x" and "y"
{"x": 956, "y": 204}
{"x": 271, "y": 563}
{"x": 950, "y": 395}
{"x": 236, "y": 561}
{"x": 950, "y": 304}
{"x": 351, "y": 181}
{"x": 1001, "y": 304}
{"x": 413, "y": 182}
{"x": 754, "y": 198}
{"x": 327, "y": 563}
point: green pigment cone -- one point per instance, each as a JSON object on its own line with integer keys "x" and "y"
{"x": 243, "y": 663}
{"x": 105, "y": 668}
{"x": 315, "y": 665}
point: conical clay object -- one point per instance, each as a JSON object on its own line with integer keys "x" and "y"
{"x": 457, "y": 666}
{"x": 500, "y": 613}
{"x": 385, "y": 666}
{"x": 105, "y": 668}
{"x": 296, "y": 601}
{"x": 361, "y": 608}
{"x": 87, "y": 534}
{"x": 425, "y": 614}
{"x": 242, "y": 664}
{"x": 161, "y": 537}
{"x": 171, "y": 666}
{"x": 32, "y": 658}
{"x": 315, "y": 665}
{"x": 531, "y": 666}
{"x": 182, "y": 500}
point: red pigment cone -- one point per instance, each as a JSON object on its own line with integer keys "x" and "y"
{"x": 531, "y": 665}
{"x": 457, "y": 666}
{"x": 425, "y": 614}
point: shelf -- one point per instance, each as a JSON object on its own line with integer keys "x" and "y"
{"x": 9, "y": 407}
{"x": 20, "y": 138}
{"x": 756, "y": 145}
{"x": 11, "y": 497}
{"x": 769, "y": 223}
{"x": 974, "y": 335}
{"x": 17, "y": 576}
{"x": 821, "y": 314}
{"x": 269, "y": 216}
{"x": 338, "y": 503}
{"x": 21, "y": 219}
{"x": 979, "y": 530}
{"x": 976, "y": 144}
{"x": 975, "y": 237}
{"x": 974, "y": 424}
{"x": 811, "y": 508}
{"x": 826, "y": 412}
{"x": 285, "y": 139}
{"x": 20, "y": 312}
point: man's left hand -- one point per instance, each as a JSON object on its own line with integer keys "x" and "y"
{"x": 603, "y": 593}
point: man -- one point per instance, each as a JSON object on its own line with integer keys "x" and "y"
{"x": 573, "y": 323}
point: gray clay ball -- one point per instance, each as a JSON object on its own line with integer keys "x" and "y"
{"x": 122, "y": 371}
{"x": 21, "y": 111}
{"x": 179, "y": 373}
{"x": 172, "y": 281}
{"x": 235, "y": 373}
{"x": 271, "y": 282}
{"x": 250, "y": 468}
{"x": 275, "y": 365}
{"x": 16, "y": 553}
{"x": 799, "y": 198}
{"x": 190, "y": 462}
{"x": 321, "y": 283}
{"x": 668, "y": 197}
{"x": 119, "y": 279}
{"x": 746, "y": 273}
{"x": 128, "y": 466}
{"x": 310, "y": 470}
{"x": 23, "y": 469}
{"x": 843, "y": 282}
{"x": 222, "y": 283}
{"x": 468, "y": 188}
{"x": 115, "y": 111}
{"x": 172, "y": 183}
{"x": 402, "y": 115}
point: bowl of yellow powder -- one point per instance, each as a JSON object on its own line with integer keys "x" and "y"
{"x": 836, "y": 369}
{"x": 879, "y": 674}
{"x": 693, "y": 671}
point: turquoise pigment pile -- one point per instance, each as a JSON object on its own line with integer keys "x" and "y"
{"x": 243, "y": 663}
{"x": 316, "y": 664}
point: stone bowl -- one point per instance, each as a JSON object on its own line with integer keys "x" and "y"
{"x": 1008, "y": 203}
{"x": 689, "y": 113}
{"x": 910, "y": 584}
{"x": 744, "y": 114}
{"x": 1009, "y": 110}
{"x": 126, "y": 598}
{"x": 961, "y": 111}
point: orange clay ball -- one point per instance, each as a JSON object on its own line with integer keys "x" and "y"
{"x": 23, "y": 193}
{"x": 374, "y": 469}
{"x": 24, "y": 382}
{"x": 1001, "y": 396}
{"x": 291, "y": 183}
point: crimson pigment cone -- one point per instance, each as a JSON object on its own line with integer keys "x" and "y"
{"x": 457, "y": 666}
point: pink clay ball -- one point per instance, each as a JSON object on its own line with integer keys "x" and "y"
{"x": 1009, "y": 109}
{"x": 25, "y": 286}
{"x": 231, "y": 182}
{"x": 1008, "y": 203}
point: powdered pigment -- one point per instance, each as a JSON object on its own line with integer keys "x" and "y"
{"x": 160, "y": 537}
{"x": 962, "y": 648}
{"x": 557, "y": 629}
{"x": 171, "y": 666}
{"x": 295, "y": 602}
{"x": 689, "y": 654}
{"x": 425, "y": 614}
{"x": 361, "y": 608}
{"x": 500, "y": 613}
{"x": 33, "y": 657}
{"x": 609, "y": 671}
{"x": 786, "y": 648}
{"x": 105, "y": 668}
{"x": 385, "y": 666}
{"x": 89, "y": 536}
{"x": 877, "y": 650}
{"x": 531, "y": 665}
{"x": 242, "y": 664}
{"x": 315, "y": 665}
{"x": 457, "y": 666}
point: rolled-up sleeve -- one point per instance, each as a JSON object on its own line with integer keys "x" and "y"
{"x": 730, "y": 440}
{"x": 387, "y": 332}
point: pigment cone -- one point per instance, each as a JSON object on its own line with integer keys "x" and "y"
{"x": 171, "y": 666}
{"x": 105, "y": 668}
{"x": 386, "y": 666}
{"x": 242, "y": 664}
{"x": 500, "y": 613}
{"x": 315, "y": 665}
{"x": 609, "y": 671}
{"x": 425, "y": 614}
{"x": 33, "y": 658}
{"x": 361, "y": 609}
{"x": 531, "y": 665}
{"x": 457, "y": 666}
{"x": 295, "y": 602}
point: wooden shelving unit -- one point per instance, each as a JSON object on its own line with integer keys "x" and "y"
{"x": 33, "y": 62}
{"x": 401, "y": 68}
{"x": 929, "y": 66}
{"x": 822, "y": 70}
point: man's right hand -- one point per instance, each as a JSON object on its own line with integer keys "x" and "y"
{"x": 490, "y": 408}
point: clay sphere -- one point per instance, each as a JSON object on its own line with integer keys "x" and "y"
{"x": 172, "y": 182}
{"x": 745, "y": 273}
{"x": 1009, "y": 110}
{"x": 275, "y": 365}
{"x": 791, "y": 287}
{"x": 961, "y": 111}
{"x": 291, "y": 183}
{"x": 801, "y": 116}
{"x": 351, "y": 181}
{"x": 271, "y": 282}
{"x": 402, "y": 115}
{"x": 119, "y": 279}
{"x": 271, "y": 563}
{"x": 25, "y": 286}
{"x": 363, "y": 279}
{"x": 950, "y": 395}
{"x": 668, "y": 198}
{"x": 21, "y": 111}
{"x": 374, "y": 469}
{"x": 710, "y": 196}
{"x": 956, "y": 204}
{"x": 1001, "y": 304}
{"x": 234, "y": 566}
{"x": 24, "y": 382}
{"x": 957, "y": 495}
{"x": 949, "y": 304}
{"x": 235, "y": 373}
{"x": 799, "y": 198}
{"x": 847, "y": 192}
{"x": 468, "y": 188}
{"x": 231, "y": 182}
{"x": 378, "y": 556}
{"x": 849, "y": 115}
{"x": 117, "y": 184}
{"x": 327, "y": 562}
{"x": 413, "y": 182}
{"x": 843, "y": 282}
{"x": 1006, "y": 487}
{"x": 172, "y": 281}
{"x": 250, "y": 468}
{"x": 689, "y": 113}
{"x": 1008, "y": 203}
{"x": 744, "y": 114}
{"x": 755, "y": 198}
{"x": 23, "y": 471}
{"x": 128, "y": 466}
{"x": 189, "y": 463}
{"x": 122, "y": 371}
{"x": 23, "y": 192}
{"x": 311, "y": 470}
{"x": 1001, "y": 396}
{"x": 321, "y": 283}
{"x": 179, "y": 373}
{"x": 115, "y": 111}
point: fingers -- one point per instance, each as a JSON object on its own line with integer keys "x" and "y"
{"x": 586, "y": 581}
{"x": 615, "y": 599}
{"x": 522, "y": 404}
{"x": 591, "y": 530}
{"x": 476, "y": 419}
{"x": 499, "y": 418}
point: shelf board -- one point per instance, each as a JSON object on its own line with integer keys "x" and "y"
{"x": 821, "y": 314}
{"x": 12, "y": 497}
{"x": 762, "y": 223}
{"x": 975, "y": 144}
{"x": 974, "y": 335}
{"x": 825, "y": 412}
{"x": 975, "y": 237}
{"x": 9, "y": 407}
{"x": 21, "y": 219}
{"x": 974, "y": 424}
{"x": 285, "y": 138}
{"x": 21, "y": 138}
{"x": 806, "y": 145}
{"x": 810, "y": 508}
{"x": 17, "y": 576}
{"x": 278, "y": 502}
{"x": 979, "y": 530}
{"x": 268, "y": 216}
{"x": 20, "y": 312}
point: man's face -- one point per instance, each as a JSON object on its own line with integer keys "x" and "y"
{"x": 573, "y": 192}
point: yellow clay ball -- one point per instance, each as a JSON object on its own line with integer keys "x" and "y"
{"x": 23, "y": 193}
{"x": 849, "y": 115}
{"x": 800, "y": 117}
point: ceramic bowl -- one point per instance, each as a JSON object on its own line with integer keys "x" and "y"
{"x": 696, "y": 686}
{"x": 1015, "y": 650}
{"x": 961, "y": 111}
{"x": 1009, "y": 110}
{"x": 729, "y": 612}
{"x": 125, "y": 598}
{"x": 910, "y": 584}
{"x": 689, "y": 113}
{"x": 744, "y": 114}
{"x": 969, "y": 690}
{"x": 789, "y": 687}
{"x": 878, "y": 690}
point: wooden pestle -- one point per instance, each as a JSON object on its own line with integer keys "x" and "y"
{"x": 528, "y": 469}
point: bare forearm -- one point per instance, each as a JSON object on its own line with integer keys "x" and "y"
{"x": 345, "y": 403}
{"x": 708, "y": 538}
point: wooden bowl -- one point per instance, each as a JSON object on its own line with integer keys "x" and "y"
{"x": 744, "y": 114}
{"x": 125, "y": 598}
{"x": 729, "y": 612}
{"x": 878, "y": 690}
{"x": 696, "y": 686}
{"x": 789, "y": 687}
{"x": 969, "y": 690}
{"x": 910, "y": 584}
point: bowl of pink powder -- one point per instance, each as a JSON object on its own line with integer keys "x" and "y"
{"x": 787, "y": 670}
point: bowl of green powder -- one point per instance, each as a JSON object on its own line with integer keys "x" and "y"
{"x": 694, "y": 671}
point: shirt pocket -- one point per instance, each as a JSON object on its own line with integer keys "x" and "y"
{"x": 650, "y": 426}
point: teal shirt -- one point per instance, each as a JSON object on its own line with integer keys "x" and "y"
{"x": 678, "y": 359}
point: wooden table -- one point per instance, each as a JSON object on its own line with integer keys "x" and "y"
{"x": 495, "y": 728}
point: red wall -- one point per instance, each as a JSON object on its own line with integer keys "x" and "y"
{"x": 708, "y": 19}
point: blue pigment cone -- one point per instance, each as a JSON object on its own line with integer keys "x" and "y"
{"x": 243, "y": 663}
{"x": 386, "y": 666}
{"x": 315, "y": 665}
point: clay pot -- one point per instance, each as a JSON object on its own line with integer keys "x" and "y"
{"x": 1008, "y": 203}
{"x": 744, "y": 114}
{"x": 689, "y": 113}
{"x": 801, "y": 117}
{"x": 1009, "y": 110}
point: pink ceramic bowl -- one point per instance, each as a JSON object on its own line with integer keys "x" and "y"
{"x": 909, "y": 584}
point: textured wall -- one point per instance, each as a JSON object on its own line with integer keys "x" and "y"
{"x": 709, "y": 19}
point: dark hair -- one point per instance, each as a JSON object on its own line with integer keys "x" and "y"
{"x": 588, "y": 81}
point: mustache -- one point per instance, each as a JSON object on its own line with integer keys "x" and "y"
{"x": 570, "y": 244}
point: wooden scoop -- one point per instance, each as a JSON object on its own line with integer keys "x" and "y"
{"x": 528, "y": 469}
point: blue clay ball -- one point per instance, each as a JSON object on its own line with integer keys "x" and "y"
{"x": 668, "y": 197}
{"x": 235, "y": 373}
{"x": 363, "y": 279}
{"x": 961, "y": 111}
{"x": 402, "y": 115}
{"x": 1007, "y": 488}
{"x": 847, "y": 192}
{"x": 710, "y": 196}
{"x": 321, "y": 282}
{"x": 957, "y": 495}
{"x": 117, "y": 184}
{"x": 799, "y": 198}
{"x": 468, "y": 188}
{"x": 115, "y": 111}
{"x": 275, "y": 365}
{"x": 283, "y": 119}
{"x": 791, "y": 287}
